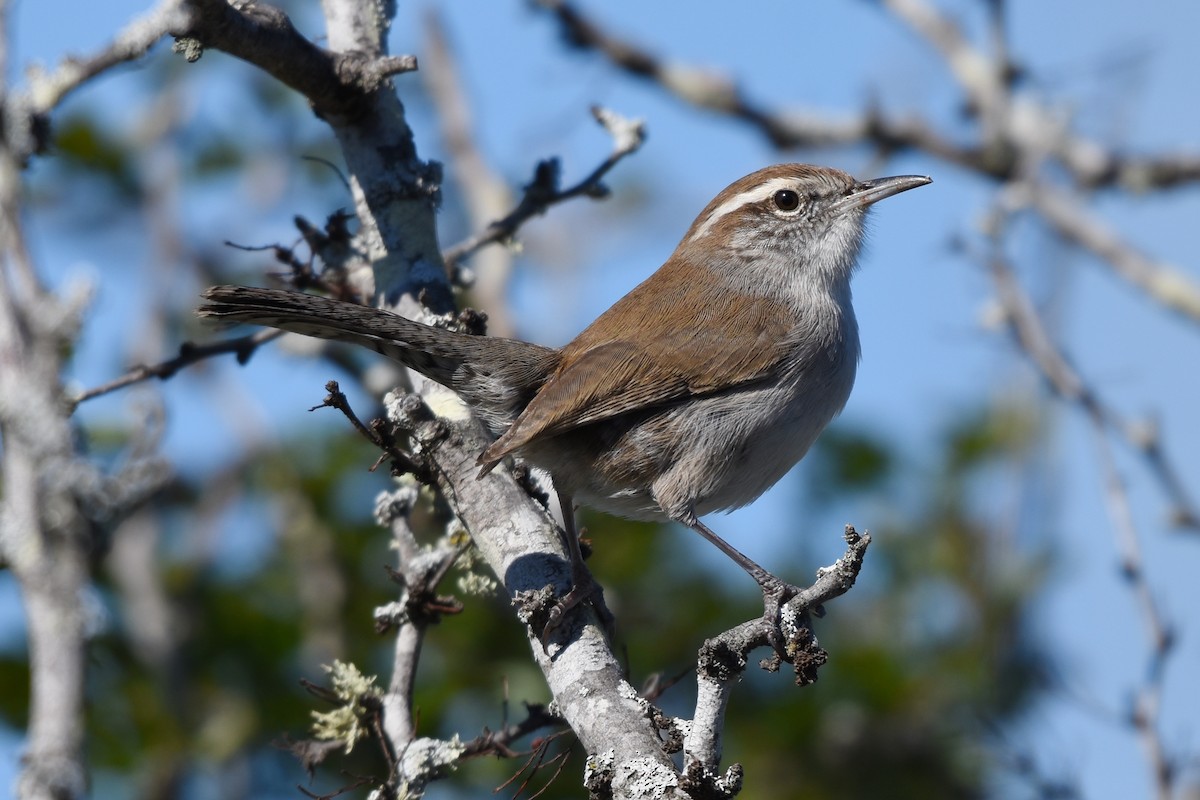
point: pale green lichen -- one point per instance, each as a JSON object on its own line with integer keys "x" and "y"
{"x": 477, "y": 584}
{"x": 345, "y": 723}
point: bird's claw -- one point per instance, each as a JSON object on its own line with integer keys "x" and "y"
{"x": 584, "y": 589}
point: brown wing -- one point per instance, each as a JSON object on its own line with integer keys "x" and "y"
{"x": 659, "y": 357}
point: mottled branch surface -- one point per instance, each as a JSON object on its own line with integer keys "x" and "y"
{"x": 395, "y": 196}
{"x": 338, "y": 84}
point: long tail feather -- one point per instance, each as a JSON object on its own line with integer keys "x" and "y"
{"x": 497, "y": 375}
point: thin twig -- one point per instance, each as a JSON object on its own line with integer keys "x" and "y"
{"x": 1032, "y": 337}
{"x": 535, "y": 762}
{"x": 1068, "y": 384}
{"x": 337, "y": 399}
{"x": 1145, "y": 714}
{"x": 189, "y": 353}
{"x": 497, "y": 742}
{"x": 1163, "y": 283}
{"x": 334, "y": 168}
{"x": 543, "y": 192}
{"x": 561, "y": 758}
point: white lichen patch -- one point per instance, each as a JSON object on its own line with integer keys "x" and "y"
{"x": 649, "y": 778}
{"x": 598, "y": 771}
{"x": 427, "y": 758}
{"x": 397, "y": 502}
{"x": 684, "y": 726}
{"x": 393, "y": 613}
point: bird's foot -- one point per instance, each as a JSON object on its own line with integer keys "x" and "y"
{"x": 584, "y": 588}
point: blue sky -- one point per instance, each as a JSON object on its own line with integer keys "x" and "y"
{"x": 1129, "y": 69}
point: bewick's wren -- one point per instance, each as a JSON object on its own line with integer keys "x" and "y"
{"x": 696, "y": 392}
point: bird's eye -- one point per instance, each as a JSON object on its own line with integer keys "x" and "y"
{"x": 787, "y": 200}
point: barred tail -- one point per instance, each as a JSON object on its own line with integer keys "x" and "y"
{"x": 496, "y": 374}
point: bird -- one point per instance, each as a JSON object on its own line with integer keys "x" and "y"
{"x": 694, "y": 393}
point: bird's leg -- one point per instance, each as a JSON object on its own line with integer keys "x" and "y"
{"x": 776, "y": 592}
{"x": 583, "y": 585}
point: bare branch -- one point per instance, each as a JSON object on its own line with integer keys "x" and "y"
{"x": 1090, "y": 164}
{"x": 981, "y": 77}
{"x": 44, "y": 536}
{"x": 1016, "y": 129}
{"x": 1164, "y": 283}
{"x": 189, "y": 353}
{"x": 1145, "y": 714}
{"x": 1034, "y": 340}
{"x": 25, "y": 111}
{"x": 48, "y": 89}
{"x": 398, "y": 723}
{"x": 1068, "y": 384}
{"x": 783, "y": 128}
{"x": 543, "y": 192}
{"x": 724, "y": 658}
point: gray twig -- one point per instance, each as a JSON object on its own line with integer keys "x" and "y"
{"x": 1035, "y": 342}
{"x": 189, "y": 353}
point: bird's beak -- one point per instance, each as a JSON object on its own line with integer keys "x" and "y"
{"x": 865, "y": 193}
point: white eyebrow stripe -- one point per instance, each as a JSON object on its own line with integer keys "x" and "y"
{"x": 758, "y": 193}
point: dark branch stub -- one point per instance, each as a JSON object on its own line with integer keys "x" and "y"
{"x": 499, "y": 742}
{"x": 402, "y": 462}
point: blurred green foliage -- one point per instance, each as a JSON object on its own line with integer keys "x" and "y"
{"x": 929, "y": 653}
{"x": 80, "y": 141}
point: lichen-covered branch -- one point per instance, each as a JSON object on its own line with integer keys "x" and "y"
{"x": 725, "y": 657}
{"x": 585, "y": 678}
